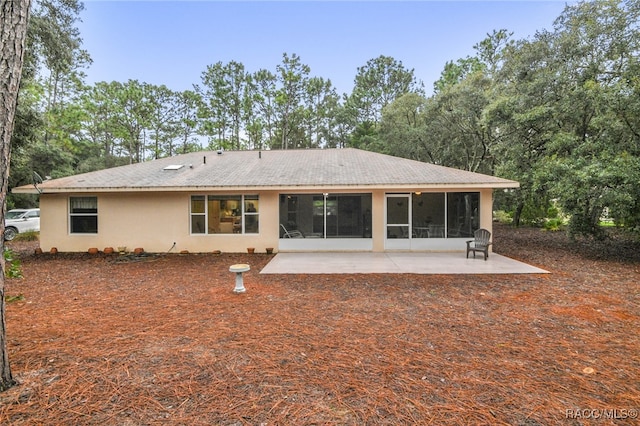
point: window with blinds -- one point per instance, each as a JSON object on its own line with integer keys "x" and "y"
{"x": 83, "y": 215}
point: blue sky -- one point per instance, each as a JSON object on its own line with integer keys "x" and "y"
{"x": 172, "y": 42}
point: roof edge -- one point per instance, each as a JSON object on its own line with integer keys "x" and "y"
{"x": 408, "y": 187}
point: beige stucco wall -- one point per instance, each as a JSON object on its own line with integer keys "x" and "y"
{"x": 486, "y": 209}
{"x": 377, "y": 220}
{"x": 154, "y": 221}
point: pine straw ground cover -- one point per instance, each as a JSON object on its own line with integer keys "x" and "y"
{"x": 166, "y": 341}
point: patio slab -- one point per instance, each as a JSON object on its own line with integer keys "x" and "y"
{"x": 394, "y": 263}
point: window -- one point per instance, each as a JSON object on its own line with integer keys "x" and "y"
{"x": 225, "y": 214}
{"x": 251, "y": 214}
{"x": 198, "y": 214}
{"x": 83, "y": 215}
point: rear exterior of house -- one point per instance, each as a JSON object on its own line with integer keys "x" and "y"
{"x": 337, "y": 200}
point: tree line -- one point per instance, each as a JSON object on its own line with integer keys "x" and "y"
{"x": 559, "y": 112}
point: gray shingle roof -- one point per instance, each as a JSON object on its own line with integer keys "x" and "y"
{"x": 267, "y": 169}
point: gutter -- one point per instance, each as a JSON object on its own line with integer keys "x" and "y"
{"x": 281, "y": 188}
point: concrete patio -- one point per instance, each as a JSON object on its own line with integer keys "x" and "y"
{"x": 394, "y": 263}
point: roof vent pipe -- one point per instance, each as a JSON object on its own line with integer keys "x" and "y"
{"x": 259, "y": 154}
{"x": 204, "y": 159}
{"x": 220, "y": 151}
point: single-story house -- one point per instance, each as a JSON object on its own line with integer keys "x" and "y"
{"x": 290, "y": 200}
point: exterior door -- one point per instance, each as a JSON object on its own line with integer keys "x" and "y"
{"x": 398, "y": 225}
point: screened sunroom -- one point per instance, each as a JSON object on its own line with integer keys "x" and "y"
{"x": 416, "y": 220}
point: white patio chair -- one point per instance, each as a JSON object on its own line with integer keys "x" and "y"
{"x": 291, "y": 234}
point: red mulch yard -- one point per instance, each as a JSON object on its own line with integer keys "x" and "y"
{"x": 164, "y": 340}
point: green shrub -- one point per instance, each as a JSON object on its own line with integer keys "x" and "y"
{"x": 27, "y": 236}
{"x": 533, "y": 214}
{"x": 608, "y": 223}
{"x": 11, "y": 299}
{"x": 12, "y": 269}
{"x": 553, "y": 212}
{"x": 553, "y": 224}
{"x": 503, "y": 217}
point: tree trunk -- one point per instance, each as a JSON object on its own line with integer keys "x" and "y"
{"x": 518, "y": 214}
{"x": 14, "y": 15}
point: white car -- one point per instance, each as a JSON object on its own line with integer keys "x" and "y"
{"x": 20, "y": 220}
